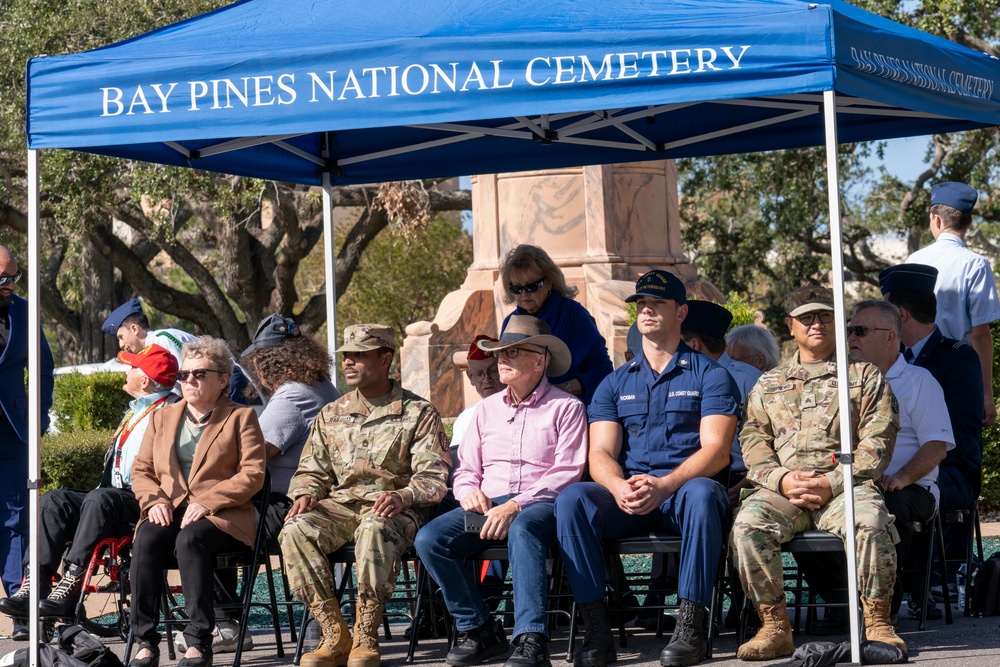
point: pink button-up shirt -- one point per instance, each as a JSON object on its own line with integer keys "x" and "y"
{"x": 533, "y": 450}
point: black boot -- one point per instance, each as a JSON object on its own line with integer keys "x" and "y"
{"x": 62, "y": 601}
{"x": 599, "y": 645}
{"x": 687, "y": 644}
{"x": 17, "y": 604}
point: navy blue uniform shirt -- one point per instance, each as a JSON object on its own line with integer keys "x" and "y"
{"x": 661, "y": 416}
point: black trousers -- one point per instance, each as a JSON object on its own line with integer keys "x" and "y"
{"x": 83, "y": 518}
{"x": 910, "y": 504}
{"x": 192, "y": 551}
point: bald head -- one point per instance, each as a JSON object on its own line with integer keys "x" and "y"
{"x": 8, "y": 268}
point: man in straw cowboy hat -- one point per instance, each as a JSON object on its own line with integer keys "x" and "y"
{"x": 660, "y": 428}
{"x": 524, "y": 445}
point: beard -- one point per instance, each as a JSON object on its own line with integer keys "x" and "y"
{"x": 5, "y": 299}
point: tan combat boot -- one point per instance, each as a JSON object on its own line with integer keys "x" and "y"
{"x": 367, "y": 619}
{"x": 877, "y": 625}
{"x": 774, "y": 639}
{"x": 336, "y": 642}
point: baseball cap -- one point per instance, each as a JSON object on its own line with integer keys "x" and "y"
{"x": 661, "y": 285}
{"x": 809, "y": 299}
{"x": 365, "y": 337}
{"x": 273, "y": 330}
{"x": 156, "y": 362}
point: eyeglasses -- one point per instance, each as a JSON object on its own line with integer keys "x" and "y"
{"x": 9, "y": 280}
{"x": 482, "y": 376}
{"x": 861, "y": 331}
{"x": 513, "y": 352}
{"x": 530, "y": 288}
{"x": 197, "y": 374}
{"x": 808, "y": 319}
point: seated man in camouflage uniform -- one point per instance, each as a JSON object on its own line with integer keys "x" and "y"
{"x": 790, "y": 435}
{"x": 375, "y": 459}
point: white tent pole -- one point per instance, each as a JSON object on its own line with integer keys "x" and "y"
{"x": 34, "y": 399}
{"x": 843, "y": 383}
{"x": 330, "y": 265}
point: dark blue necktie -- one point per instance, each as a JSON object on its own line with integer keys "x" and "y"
{"x": 908, "y": 355}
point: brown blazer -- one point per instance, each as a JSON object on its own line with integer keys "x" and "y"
{"x": 228, "y": 467}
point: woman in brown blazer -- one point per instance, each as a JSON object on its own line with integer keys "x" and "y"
{"x": 201, "y": 461}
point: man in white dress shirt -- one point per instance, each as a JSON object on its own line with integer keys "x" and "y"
{"x": 925, "y": 433}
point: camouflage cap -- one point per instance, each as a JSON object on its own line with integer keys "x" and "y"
{"x": 809, "y": 299}
{"x": 364, "y": 337}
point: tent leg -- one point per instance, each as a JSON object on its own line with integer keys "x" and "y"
{"x": 843, "y": 384}
{"x": 34, "y": 394}
{"x": 331, "y": 265}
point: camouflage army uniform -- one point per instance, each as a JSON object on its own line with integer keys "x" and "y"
{"x": 792, "y": 423}
{"x": 355, "y": 452}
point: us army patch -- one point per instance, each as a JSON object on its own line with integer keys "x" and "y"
{"x": 443, "y": 441}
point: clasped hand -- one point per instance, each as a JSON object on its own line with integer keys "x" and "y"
{"x": 641, "y": 494}
{"x": 162, "y": 514}
{"x": 806, "y": 489}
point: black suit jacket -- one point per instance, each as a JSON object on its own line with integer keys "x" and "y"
{"x": 13, "y": 397}
{"x": 955, "y": 366}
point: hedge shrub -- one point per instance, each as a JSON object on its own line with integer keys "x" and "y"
{"x": 991, "y": 438}
{"x": 88, "y": 402}
{"x": 74, "y": 460}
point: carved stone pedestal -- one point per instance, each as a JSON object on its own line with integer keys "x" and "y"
{"x": 604, "y": 226}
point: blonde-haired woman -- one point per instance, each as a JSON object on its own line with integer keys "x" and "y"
{"x": 533, "y": 282}
{"x": 201, "y": 461}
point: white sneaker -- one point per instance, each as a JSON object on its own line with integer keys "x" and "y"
{"x": 224, "y": 636}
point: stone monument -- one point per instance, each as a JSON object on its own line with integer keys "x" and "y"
{"x": 604, "y": 226}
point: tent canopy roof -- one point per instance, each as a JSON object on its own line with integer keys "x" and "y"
{"x": 393, "y": 90}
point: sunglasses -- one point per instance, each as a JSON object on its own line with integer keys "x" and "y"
{"x": 9, "y": 280}
{"x": 530, "y": 288}
{"x": 197, "y": 374}
{"x": 824, "y": 317}
{"x": 861, "y": 331}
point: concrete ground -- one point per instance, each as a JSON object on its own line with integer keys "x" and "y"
{"x": 969, "y": 642}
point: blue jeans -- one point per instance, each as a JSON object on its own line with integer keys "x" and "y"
{"x": 587, "y": 514}
{"x": 443, "y": 545}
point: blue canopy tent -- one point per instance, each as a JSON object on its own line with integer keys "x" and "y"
{"x": 357, "y": 91}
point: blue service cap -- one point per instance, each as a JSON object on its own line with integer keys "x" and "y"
{"x": 661, "y": 285}
{"x": 914, "y": 277}
{"x": 959, "y": 196}
{"x": 114, "y": 320}
{"x": 708, "y": 319}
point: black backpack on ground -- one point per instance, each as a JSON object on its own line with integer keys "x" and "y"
{"x": 984, "y": 588}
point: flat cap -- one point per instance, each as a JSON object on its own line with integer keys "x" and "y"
{"x": 914, "y": 277}
{"x": 708, "y": 319}
{"x": 130, "y": 307}
{"x": 959, "y": 196}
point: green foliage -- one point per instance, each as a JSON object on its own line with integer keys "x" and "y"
{"x": 990, "y": 498}
{"x": 743, "y": 312}
{"x": 74, "y": 460}
{"x": 403, "y": 280}
{"x": 86, "y": 402}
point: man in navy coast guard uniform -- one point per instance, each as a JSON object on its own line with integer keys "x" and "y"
{"x": 660, "y": 430}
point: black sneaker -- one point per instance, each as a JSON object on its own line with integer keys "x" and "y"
{"x": 933, "y": 611}
{"x": 479, "y": 645}
{"x": 532, "y": 651}
{"x": 20, "y": 632}
{"x": 62, "y": 601}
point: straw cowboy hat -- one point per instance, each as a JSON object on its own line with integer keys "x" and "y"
{"x": 525, "y": 329}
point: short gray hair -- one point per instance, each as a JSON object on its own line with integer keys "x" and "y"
{"x": 214, "y": 349}
{"x": 887, "y": 313}
{"x": 759, "y": 339}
